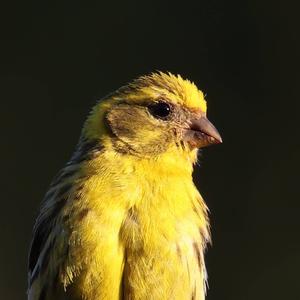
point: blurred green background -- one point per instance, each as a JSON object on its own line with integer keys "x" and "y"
{"x": 59, "y": 57}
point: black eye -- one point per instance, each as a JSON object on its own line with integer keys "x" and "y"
{"x": 159, "y": 109}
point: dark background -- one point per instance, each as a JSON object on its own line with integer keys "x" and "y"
{"x": 59, "y": 57}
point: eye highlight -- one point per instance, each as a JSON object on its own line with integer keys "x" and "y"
{"x": 160, "y": 110}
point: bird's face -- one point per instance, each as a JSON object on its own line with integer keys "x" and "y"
{"x": 157, "y": 114}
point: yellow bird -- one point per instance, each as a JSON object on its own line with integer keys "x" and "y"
{"x": 123, "y": 219}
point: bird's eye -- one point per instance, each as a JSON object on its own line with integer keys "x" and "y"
{"x": 160, "y": 110}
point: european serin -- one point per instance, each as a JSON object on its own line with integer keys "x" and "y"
{"x": 123, "y": 219}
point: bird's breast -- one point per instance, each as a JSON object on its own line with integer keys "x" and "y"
{"x": 163, "y": 251}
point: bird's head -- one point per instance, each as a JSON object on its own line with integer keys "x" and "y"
{"x": 155, "y": 114}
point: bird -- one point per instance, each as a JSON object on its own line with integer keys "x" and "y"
{"x": 123, "y": 218}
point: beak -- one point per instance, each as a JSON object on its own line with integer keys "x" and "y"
{"x": 201, "y": 133}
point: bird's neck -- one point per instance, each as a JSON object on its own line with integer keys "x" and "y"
{"x": 137, "y": 179}
{"x": 168, "y": 165}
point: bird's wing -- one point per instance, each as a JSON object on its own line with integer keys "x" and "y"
{"x": 49, "y": 244}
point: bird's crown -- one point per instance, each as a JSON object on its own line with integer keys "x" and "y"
{"x": 166, "y": 85}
